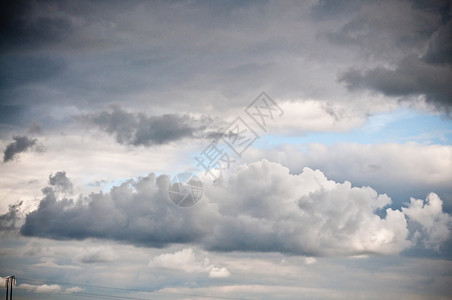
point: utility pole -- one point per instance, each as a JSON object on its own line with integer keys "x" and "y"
{"x": 9, "y": 282}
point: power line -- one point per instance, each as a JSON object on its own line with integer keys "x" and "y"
{"x": 88, "y": 295}
{"x": 125, "y": 289}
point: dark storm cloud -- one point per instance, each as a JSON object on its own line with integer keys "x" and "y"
{"x": 60, "y": 182}
{"x": 107, "y": 51}
{"x": 137, "y": 212}
{"x": 425, "y": 23}
{"x": 139, "y": 129}
{"x": 412, "y": 76}
{"x": 11, "y": 219}
{"x": 26, "y": 25}
{"x": 383, "y": 28}
{"x": 440, "y": 47}
{"x": 20, "y": 144}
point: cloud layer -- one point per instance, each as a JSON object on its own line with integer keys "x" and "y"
{"x": 417, "y": 72}
{"x": 139, "y": 129}
{"x": 262, "y": 208}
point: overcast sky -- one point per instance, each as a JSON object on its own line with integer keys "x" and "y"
{"x": 332, "y": 122}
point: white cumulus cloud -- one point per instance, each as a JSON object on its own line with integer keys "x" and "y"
{"x": 434, "y": 223}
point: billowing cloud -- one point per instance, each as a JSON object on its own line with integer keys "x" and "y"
{"x": 262, "y": 208}
{"x": 265, "y": 208}
{"x": 139, "y": 129}
{"x": 136, "y": 211}
{"x": 20, "y": 144}
{"x": 118, "y": 90}
{"x": 435, "y": 225}
{"x": 400, "y": 170}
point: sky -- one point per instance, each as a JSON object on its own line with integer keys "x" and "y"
{"x": 320, "y": 131}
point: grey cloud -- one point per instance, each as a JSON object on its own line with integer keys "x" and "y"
{"x": 412, "y": 76}
{"x": 98, "y": 255}
{"x": 440, "y": 46}
{"x": 194, "y": 66}
{"x": 262, "y": 208}
{"x": 327, "y": 9}
{"x": 22, "y": 70}
{"x": 27, "y": 25}
{"x": 137, "y": 212}
{"x": 60, "y": 182}
{"x": 10, "y": 221}
{"x": 153, "y": 53}
{"x": 384, "y": 28}
{"x": 423, "y": 23}
{"x": 139, "y": 129}
{"x": 432, "y": 226}
{"x": 20, "y": 144}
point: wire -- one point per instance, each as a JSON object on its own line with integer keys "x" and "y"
{"x": 125, "y": 289}
{"x": 82, "y": 294}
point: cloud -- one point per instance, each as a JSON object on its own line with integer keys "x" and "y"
{"x": 60, "y": 182}
{"x": 20, "y": 144}
{"x": 217, "y": 272}
{"x": 434, "y": 223}
{"x": 187, "y": 261}
{"x": 310, "y": 260}
{"x": 49, "y": 263}
{"x": 44, "y": 288}
{"x": 141, "y": 130}
{"x": 49, "y": 288}
{"x": 381, "y": 30}
{"x": 10, "y": 221}
{"x": 30, "y": 25}
{"x": 409, "y": 42}
{"x": 74, "y": 289}
{"x": 440, "y": 46}
{"x": 262, "y": 208}
{"x": 411, "y": 76}
{"x": 315, "y": 116}
{"x": 137, "y": 211}
{"x": 265, "y": 208}
{"x": 400, "y": 170}
{"x": 98, "y": 254}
